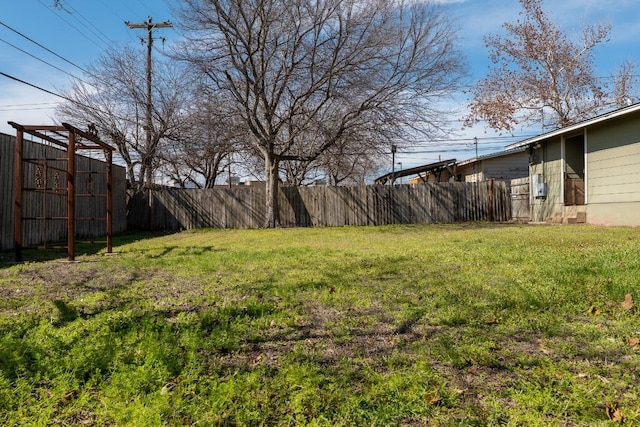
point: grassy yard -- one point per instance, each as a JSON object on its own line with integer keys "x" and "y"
{"x": 437, "y": 325}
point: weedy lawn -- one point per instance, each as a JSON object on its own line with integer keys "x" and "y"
{"x": 437, "y": 325}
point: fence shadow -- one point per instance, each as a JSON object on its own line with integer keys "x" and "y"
{"x": 243, "y": 207}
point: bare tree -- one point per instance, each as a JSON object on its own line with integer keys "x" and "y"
{"x": 344, "y": 166}
{"x": 537, "y": 68}
{"x": 344, "y": 163}
{"x": 201, "y": 150}
{"x": 625, "y": 82}
{"x": 327, "y": 68}
{"x": 112, "y": 97}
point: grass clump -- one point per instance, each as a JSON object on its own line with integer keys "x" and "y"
{"x": 402, "y": 325}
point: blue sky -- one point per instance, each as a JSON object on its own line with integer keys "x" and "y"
{"x": 80, "y": 30}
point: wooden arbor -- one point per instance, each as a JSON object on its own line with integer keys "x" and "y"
{"x": 72, "y": 140}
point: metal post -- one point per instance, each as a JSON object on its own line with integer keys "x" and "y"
{"x": 18, "y": 200}
{"x": 71, "y": 196}
{"x": 109, "y": 159}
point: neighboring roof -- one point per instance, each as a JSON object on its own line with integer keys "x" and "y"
{"x": 392, "y": 176}
{"x": 493, "y": 155}
{"x": 580, "y": 125}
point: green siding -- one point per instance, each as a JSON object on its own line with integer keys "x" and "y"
{"x": 549, "y": 164}
{"x": 613, "y": 156}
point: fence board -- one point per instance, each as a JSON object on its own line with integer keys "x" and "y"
{"x": 243, "y": 207}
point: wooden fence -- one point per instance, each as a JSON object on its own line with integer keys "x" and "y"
{"x": 51, "y": 203}
{"x": 243, "y": 207}
{"x": 520, "y": 204}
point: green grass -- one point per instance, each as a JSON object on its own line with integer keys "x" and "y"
{"x": 443, "y": 325}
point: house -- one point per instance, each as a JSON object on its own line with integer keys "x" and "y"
{"x": 587, "y": 172}
{"x": 505, "y": 165}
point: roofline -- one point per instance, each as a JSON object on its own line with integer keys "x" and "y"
{"x": 579, "y": 125}
{"x": 413, "y": 171}
{"x": 492, "y": 155}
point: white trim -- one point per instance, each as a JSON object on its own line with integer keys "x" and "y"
{"x": 492, "y": 156}
{"x": 563, "y": 169}
{"x": 531, "y": 191}
{"x": 583, "y": 124}
{"x": 586, "y": 169}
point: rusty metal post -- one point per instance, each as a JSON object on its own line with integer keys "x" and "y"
{"x": 71, "y": 196}
{"x": 109, "y": 160}
{"x": 18, "y": 200}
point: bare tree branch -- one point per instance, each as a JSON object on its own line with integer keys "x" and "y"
{"x": 308, "y": 75}
{"x": 538, "y": 68}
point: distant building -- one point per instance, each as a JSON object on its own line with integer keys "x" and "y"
{"x": 505, "y": 165}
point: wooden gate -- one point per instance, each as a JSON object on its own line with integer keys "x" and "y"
{"x": 520, "y": 199}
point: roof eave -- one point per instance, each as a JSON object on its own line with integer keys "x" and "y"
{"x": 570, "y": 128}
{"x": 506, "y": 152}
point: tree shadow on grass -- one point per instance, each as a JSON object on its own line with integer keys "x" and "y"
{"x": 66, "y": 312}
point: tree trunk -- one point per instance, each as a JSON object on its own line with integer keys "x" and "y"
{"x": 272, "y": 169}
{"x": 148, "y": 173}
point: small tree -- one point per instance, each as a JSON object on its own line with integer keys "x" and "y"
{"x": 329, "y": 69}
{"x": 537, "y": 68}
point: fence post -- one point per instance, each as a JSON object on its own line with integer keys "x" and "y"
{"x": 150, "y": 209}
{"x": 491, "y": 201}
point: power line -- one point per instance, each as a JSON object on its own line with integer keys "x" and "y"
{"x": 42, "y": 60}
{"x": 111, "y": 9}
{"x": 28, "y": 105}
{"x": 128, "y": 6}
{"x": 66, "y": 98}
{"x": 24, "y": 109}
{"x": 131, "y": 121}
{"x": 75, "y": 14}
{"x": 35, "y": 86}
{"x": 72, "y": 26}
{"x": 43, "y": 47}
{"x": 144, "y": 5}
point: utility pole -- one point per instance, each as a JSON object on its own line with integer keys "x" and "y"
{"x": 394, "y": 148}
{"x": 475, "y": 142}
{"x": 149, "y": 25}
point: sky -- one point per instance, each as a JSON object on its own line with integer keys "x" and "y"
{"x": 59, "y": 38}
